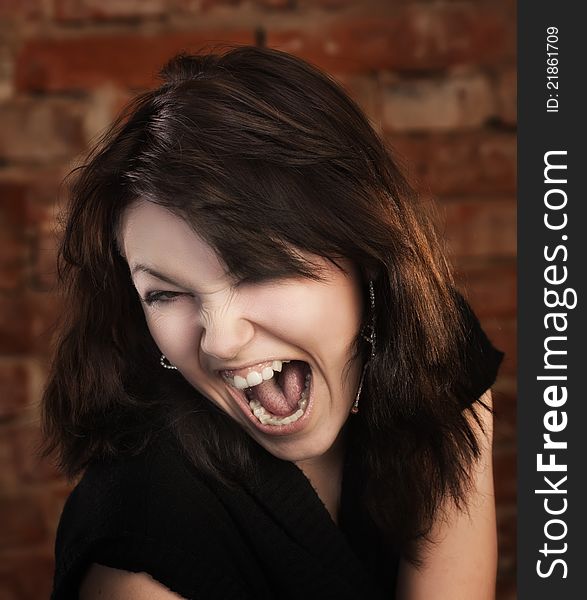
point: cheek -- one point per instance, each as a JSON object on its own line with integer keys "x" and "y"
{"x": 173, "y": 330}
{"x": 337, "y": 310}
{"x": 341, "y": 315}
{"x": 313, "y": 316}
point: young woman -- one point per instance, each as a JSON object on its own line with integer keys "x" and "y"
{"x": 265, "y": 373}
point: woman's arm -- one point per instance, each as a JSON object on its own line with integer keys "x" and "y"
{"x": 105, "y": 583}
{"x": 462, "y": 564}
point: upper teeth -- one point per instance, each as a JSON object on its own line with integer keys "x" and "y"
{"x": 254, "y": 378}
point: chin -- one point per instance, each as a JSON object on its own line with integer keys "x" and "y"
{"x": 313, "y": 446}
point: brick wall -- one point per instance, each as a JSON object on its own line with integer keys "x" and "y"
{"x": 437, "y": 78}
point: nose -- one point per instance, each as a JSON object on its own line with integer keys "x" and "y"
{"x": 225, "y": 334}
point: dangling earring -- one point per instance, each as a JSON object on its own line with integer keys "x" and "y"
{"x": 165, "y": 363}
{"x": 371, "y": 339}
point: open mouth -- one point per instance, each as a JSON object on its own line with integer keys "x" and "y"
{"x": 276, "y": 392}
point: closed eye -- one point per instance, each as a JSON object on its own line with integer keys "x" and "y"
{"x": 160, "y": 297}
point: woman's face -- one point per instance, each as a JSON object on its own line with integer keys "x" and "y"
{"x": 228, "y": 339}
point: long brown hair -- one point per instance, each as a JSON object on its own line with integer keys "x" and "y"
{"x": 257, "y": 131}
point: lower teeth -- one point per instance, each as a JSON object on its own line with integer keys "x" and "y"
{"x": 268, "y": 419}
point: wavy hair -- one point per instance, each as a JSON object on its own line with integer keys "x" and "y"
{"x": 243, "y": 131}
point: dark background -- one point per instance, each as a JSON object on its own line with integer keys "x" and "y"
{"x": 540, "y": 132}
{"x": 437, "y": 78}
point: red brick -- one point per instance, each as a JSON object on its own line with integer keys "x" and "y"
{"x": 13, "y": 246}
{"x": 505, "y": 418}
{"x": 29, "y": 196}
{"x": 17, "y": 10}
{"x": 10, "y": 480}
{"x": 439, "y": 104}
{"x": 203, "y": 6}
{"x": 506, "y": 589}
{"x": 326, "y": 4}
{"x": 482, "y": 228}
{"x": 13, "y": 252}
{"x": 6, "y": 76}
{"x": 8, "y": 475}
{"x": 43, "y": 312}
{"x": 28, "y": 322}
{"x": 411, "y": 37}
{"x": 507, "y": 385}
{"x": 40, "y": 131}
{"x": 507, "y": 96}
{"x": 29, "y": 229}
{"x": 459, "y": 163}
{"x": 504, "y": 474}
{"x": 44, "y": 257}
{"x": 21, "y": 521}
{"x": 15, "y": 334}
{"x": 14, "y": 388}
{"x": 45, "y": 196}
{"x": 276, "y": 4}
{"x": 129, "y": 60}
{"x": 104, "y": 10}
{"x": 54, "y": 500}
{"x": 490, "y": 288}
{"x": 22, "y": 466}
{"x": 104, "y": 105}
{"x": 507, "y": 541}
{"x": 12, "y": 208}
{"x": 26, "y": 577}
{"x": 364, "y": 90}
{"x": 28, "y": 463}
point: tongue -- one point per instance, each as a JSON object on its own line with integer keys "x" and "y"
{"x": 282, "y": 398}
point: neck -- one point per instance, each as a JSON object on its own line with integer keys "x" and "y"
{"x": 325, "y": 475}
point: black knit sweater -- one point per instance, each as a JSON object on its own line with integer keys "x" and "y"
{"x": 273, "y": 540}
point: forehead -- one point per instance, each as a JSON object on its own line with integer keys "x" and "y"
{"x": 152, "y": 235}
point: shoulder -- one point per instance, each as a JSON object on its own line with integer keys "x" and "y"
{"x": 144, "y": 492}
{"x": 151, "y": 513}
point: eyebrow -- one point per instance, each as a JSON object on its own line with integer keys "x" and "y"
{"x": 141, "y": 268}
